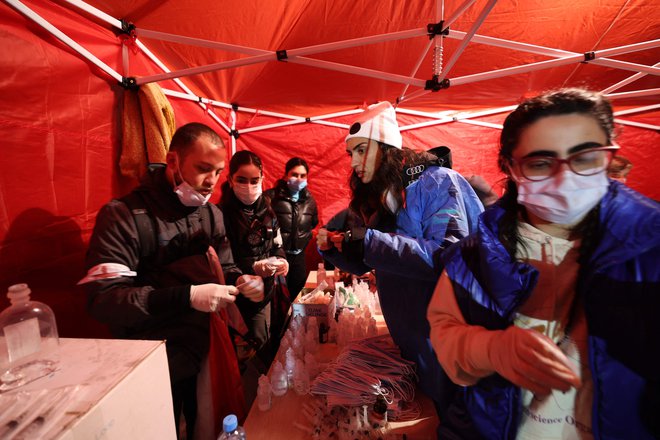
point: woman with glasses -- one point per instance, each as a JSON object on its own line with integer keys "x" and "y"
{"x": 547, "y": 316}
{"x": 256, "y": 244}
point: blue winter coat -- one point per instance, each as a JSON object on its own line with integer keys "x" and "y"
{"x": 440, "y": 209}
{"x": 620, "y": 287}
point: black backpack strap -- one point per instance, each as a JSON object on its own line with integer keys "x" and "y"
{"x": 146, "y": 228}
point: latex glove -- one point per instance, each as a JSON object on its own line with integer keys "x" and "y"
{"x": 265, "y": 268}
{"x": 251, "y": 286}
{"x": 531, "y": 360}
{"x": 281, "y": 266}
{"x": 208, "y": 297}
{"x": 326, "y": 240}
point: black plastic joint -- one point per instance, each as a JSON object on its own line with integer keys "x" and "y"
{"x": 129, "y": 82}
{"x": 234, "y": 133}
{"x": 434, "y": 85}
{"x": 434, "y": 29}
{"x": 589, "y": 56}
{"x": 281, "y": 55}
{"x": 308, "y": 119}
{"x": 234, "y": 106}
{"x": 127, "y": 27}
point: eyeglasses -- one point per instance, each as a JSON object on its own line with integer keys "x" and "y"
{"x": 585, "y": 163}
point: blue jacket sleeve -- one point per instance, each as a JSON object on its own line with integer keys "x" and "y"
{"x": 441, "y": 208}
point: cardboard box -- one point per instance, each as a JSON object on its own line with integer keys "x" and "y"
{"x": 323, "y": 312}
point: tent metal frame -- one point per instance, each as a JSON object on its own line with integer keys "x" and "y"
{"x": 299, "y": 56}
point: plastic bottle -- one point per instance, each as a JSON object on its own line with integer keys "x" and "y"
{"x": 320, "y": 274}
{"x": 264, "y": 399}
{"x": 278, "y": 380}
{"x": 29, "y": 344}
{"x": 231, "y": 429}
{"x": 301, "y": 378}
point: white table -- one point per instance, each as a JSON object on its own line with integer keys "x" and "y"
{"x": 124, "y": 390}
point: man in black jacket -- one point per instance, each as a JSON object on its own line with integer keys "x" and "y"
{"x": 159, "y": 284}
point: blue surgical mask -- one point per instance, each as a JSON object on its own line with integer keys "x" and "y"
{"x": 296, "y": 185}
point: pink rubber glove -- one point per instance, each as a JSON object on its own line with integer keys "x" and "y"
{"x": 281, "y": 266}
{"x": 531, "y": 360}
{"x": 264, "y": 268}
{"x": 208, "y": 297}
{"x": 251, "y": 286}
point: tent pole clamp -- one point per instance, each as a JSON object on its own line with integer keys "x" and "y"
{"x": 129, "y": 83}
{"x": 589, "y": 56}
{"x": 127, "y": 27}
{"x": 234, "y": 133}
{"x": 434, "y": 29}
{"x": 281, "y": 55}
{"x": 434, "y": 85}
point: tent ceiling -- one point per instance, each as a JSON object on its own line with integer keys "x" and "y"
{"x": 577, "y": 27}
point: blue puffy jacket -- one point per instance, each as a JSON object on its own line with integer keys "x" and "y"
{"x": 440, "y": 209}
{"x": 620, "y": 287}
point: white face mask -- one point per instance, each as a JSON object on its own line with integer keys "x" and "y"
{"x": 188, "y": 195}
{"x": 246, "y": 193}
{"x": 564, "y": 198}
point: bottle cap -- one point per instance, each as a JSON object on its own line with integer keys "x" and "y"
{"x": 230, "y": 423}
{"x": 18, "y": 293}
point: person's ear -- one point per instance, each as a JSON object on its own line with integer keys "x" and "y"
{"x": 171, "y": 159}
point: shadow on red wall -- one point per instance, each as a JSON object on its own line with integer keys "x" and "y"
{"x": 47, "y": 252}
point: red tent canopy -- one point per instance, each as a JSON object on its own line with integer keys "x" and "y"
{"x": 293, "y": 71}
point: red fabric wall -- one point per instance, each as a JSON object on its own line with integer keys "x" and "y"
{"x": 60, "y": 130}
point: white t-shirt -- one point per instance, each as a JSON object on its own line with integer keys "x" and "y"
{"x": 550, "y": 310}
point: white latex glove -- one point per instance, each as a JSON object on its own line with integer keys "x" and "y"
{"x": 281, "y": 266}
{"x": 531, "y": 360}
{"x": 251, "y": 286}
{"x": 265, "y": 268}
{"x": 208, "y": 297}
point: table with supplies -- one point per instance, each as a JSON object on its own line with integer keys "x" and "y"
{"x": 285, "y": 419}
{"x": 103, "y": 389}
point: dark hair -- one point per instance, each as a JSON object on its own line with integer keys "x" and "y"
{"x": 620, "y": 166}
{"x": 294, "y": 162}
{"x": 186, "y": 135}
{"x": 554, "y": 103}
{"x": 368, "y": 198}
{"x": 444, "y": 155}
{"x": 240, "y": 158}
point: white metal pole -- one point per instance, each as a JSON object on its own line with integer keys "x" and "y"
{"x": 358, "y": 71}
{"x": 276, "y": 125}
{"x": 637, "y": 124}
{"x": 64, "y": 38}
{"x": 457, "y": 13}
{"x": 515, "y": 70}
{"x": 459, "y": 51}
{"x": 633, "y": 94}
{"x": 637, "y": 110}
{"x": 95, "y": 12}
{"x": 156, "y": 35}
{"x": 625, "y": 82}
{"x": 480, "y": 123}
{"x": 327, "y": 47}
{"x": 207, "y": 68}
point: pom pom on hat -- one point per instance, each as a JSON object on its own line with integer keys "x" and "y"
{"x": 378, "y": 123}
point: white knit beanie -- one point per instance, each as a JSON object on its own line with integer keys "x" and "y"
{"x": 378, "y": 123}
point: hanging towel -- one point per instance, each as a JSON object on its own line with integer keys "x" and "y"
{"x": 148, "y": 127}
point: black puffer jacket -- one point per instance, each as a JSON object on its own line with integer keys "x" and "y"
{"x": 296, "y": 219}
{"x": 254, "y": 235}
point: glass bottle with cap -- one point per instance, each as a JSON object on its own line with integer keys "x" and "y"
{"x": 29, "y": 344}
